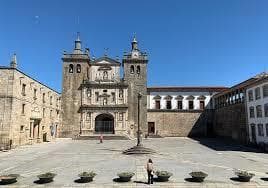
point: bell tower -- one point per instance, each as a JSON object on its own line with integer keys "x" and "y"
{"x": 135, "y": 74}
{"x": 75, "y": 69}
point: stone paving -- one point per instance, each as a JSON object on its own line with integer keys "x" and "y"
{"x": 180, "y": 156}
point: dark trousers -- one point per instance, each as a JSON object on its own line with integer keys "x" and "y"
{"x": 150, "y": 177}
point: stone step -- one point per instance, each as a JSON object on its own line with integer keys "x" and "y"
{"x": 105, "y": 137}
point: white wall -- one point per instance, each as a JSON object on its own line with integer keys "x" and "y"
{"x": 151, "y": 100}
{"x": 263, "y": 120}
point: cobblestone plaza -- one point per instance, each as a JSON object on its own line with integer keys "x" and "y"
{"x": 67, "y": 158}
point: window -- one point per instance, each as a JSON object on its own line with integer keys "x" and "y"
{"x": 250, "y": 95}
{"x": 44, "y": 110}
{"x": 168, "y": 104}
{"x": 21, "y": 128}
{"x": 23, "y": 109}
{"x": 50, "y": 100}
{"x": 138, "y": 69}
{"x": 265, "y": 90}
{"x": 202, "y": 105}
{"x": 88, "y": 116}
{"x": 43, "y": 128}
{"x": 97, "y": 96}
{"x": 259, "y": 111}
{"x": 260, "y": 130}
{"x": 266, "y": 110}
{"x": 120, "y": 118}
{"x": 44, "y": 97}
{"x": 191, "y": 105}
{"x": 180, "y": 105}
{"x": 78, "y": 68}
{"x": 157, "y": 104}
{"x": 251, "y": 112}
{"x": 23, "y": 89}
{"x": 132, "y": 69}
{"x": 88, "y": 92}
{"x": 71, "y": 68}
{"x": 257, "y": 93}
{"x": 104, "y": 101}
{"x": 105, "y": 75}
{"x": 266, "y": 126}
{"x": 35, "y": 91}
{"x": 121, "y": 93}
{"x": 113, "y": 96}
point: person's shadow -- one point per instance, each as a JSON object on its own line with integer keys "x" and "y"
{"x": 141, "y": 182}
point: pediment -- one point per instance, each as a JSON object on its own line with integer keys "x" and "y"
{"x": 157, "y": 97}
{"x": 105, "y": 61}
{"x": 168, "y": 97}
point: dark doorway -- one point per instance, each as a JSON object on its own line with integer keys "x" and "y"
{"x": 151, "y": 128}
{"x": 104, "y": 123}
{"x": 45, "y": 137}
{"x": 253, "y": 134}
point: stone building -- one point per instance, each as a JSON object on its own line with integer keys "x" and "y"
{"x": 257, "y": 109}
{"x": 230, "y": 116}
{"x": 181, "y": 111}
{"x": 29, "y": 110}
{"x": 96, "y": 100}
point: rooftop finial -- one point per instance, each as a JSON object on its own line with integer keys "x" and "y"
{"x": 77, "y": 45}
{"x": 13, "y": 63}
{"x": 134, "y": 43}
{"x": 78, "y": 36}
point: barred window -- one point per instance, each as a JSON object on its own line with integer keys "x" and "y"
{"x": 180, "y": 105}
{"x": 257, "y": 93}
{"x": 259, "y": 111}
{"x": 266, "y": 110}
{"x": 265, "y": 90}
{"x": 191, "y": 105}
{"x": 260, "y": 130}
{"x": 251, "y": 112}
{"x": 250, "y": 95}
{"x": 168, "y": 104}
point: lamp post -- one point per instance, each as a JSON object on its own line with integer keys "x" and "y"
{"x": 139, "y": 130}
{"x": 138, "y": 149}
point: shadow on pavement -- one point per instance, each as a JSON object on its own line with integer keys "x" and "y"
{"x": 221, "y": 144}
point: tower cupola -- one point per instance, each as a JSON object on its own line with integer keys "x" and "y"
{"x": 134, "y": 44}
{"x": 13, "y": 63}
{"x": 77, "y": 45}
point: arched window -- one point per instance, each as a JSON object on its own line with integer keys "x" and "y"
{"x": 121, "y": 93}
{"x": 138, "y": 69}
{"x": 78, "y": 68}
{"x": 132, "y": 69}
{"x": 105, "y": 75}
{"x": 71, "y": 68}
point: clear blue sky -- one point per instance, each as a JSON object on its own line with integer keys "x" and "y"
{"x": 190, "y": 42}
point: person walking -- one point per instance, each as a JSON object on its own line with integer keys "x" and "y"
{"x": 150, "y": 171}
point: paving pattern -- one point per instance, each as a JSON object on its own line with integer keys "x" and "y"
{"x": 67, "y": 158}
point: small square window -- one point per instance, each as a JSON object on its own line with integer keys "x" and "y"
{"x": 21, "y": 128}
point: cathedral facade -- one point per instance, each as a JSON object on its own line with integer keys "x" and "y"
{"x": 96, "y": 100}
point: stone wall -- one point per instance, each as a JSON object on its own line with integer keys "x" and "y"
{"x": 230, "y": 122}
{"x": 17, "y": 124}
{"x": 182, "y": 123}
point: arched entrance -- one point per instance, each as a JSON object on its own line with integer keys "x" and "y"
{"x": 104, "y": 123}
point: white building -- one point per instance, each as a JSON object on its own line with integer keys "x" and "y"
{"x": 257, "y": 109}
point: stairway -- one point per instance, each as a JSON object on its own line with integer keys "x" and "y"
{"x": 97, "y": 137}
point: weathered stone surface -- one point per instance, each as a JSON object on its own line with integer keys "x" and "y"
{"x": 187, "y": 123}
{"x": 16, "y": 125}
{"x": 230, "y": 121}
